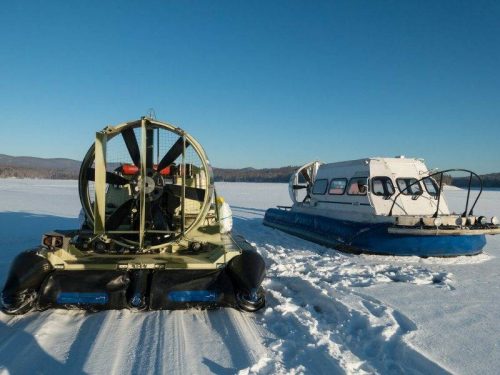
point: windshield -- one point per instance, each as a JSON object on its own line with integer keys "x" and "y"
{"x": 409, "y": 186}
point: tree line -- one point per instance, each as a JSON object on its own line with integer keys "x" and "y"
{"x": 227, "y": 175}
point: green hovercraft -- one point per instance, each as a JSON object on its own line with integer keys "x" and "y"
{"x": 154, "y": 234}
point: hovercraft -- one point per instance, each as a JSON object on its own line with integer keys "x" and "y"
{"x": 389, "y": 206}
{"x": 154, "y": 234}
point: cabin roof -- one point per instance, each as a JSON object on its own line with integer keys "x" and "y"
{"x": 369, "y": 160}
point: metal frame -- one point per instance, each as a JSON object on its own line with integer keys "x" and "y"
{"x": 97, "y": 152}
{"x": 100, "y": 183}
{"x": 308, "y": 172}
{"x": 440, "y": 189}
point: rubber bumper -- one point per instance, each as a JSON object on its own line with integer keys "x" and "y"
{"x": 25, "y": 277}
{"x": 92, "y": 290}
{"x": 247, "y": 271}
{"x": 182, "y": 289}
{"x": 33, "y": 284}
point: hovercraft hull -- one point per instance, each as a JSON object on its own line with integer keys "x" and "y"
{"x": 371, "y": 238}
{"x": 33, "y": 284}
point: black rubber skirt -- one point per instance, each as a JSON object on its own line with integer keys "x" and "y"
{"x": 33, "y": 285}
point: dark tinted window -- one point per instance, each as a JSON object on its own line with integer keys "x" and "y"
{"x": 320, "y": 186}
{"x": 409, "y": 186}
{"x": 337, "y": 186}
{"x": 357, "y": 186}
{"x": 382, "y": 186}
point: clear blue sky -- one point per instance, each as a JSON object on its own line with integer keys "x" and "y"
{"x": 268, "y": 83}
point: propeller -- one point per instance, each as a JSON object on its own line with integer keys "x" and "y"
{"x": 306, "y": 176}
{"x": 111, "y": 178}
{"x": 119, "y": 215}
{"x": 158, "y": 217}
{"x": 305, "y": 172}
{"x": 196, "y": 194}
{"x": 132, "y": 145}
{"x": 172, "y": 154}
{"x": 153, "y": 201}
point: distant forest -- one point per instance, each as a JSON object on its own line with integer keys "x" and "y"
{"x": 220, "y": 174}
{"x": 491, "y": 180}
{"x": 67, "y": 169}
{"x": 254, "y": 175}
{"x": 52, "y": 174}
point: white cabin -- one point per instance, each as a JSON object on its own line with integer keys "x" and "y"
{"x": 364, "y": 190}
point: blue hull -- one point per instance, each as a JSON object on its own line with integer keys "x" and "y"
{"x": 370, "y": 238}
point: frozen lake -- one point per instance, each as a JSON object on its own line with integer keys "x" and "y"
{"x": 327, "y": 312}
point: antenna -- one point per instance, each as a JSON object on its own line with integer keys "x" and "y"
{"x": 152, "y": 113}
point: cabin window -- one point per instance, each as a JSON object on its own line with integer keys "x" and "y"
{"x": 357, "y": 186}
{"x": 320, "y": 186}
{"x": 337, "y": 186}
{"x": 431, "y": 186}
{"x": 382, "y": 186}
{"x": 409, "y": 186}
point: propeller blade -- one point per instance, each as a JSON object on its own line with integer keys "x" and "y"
{"x": 119, "y": 215}
{"x": 196, "y": 194}
{"x": 306, "y": 176}
{"x": 172, "y": 154}
{"x": 111, "y": 178}
{"x": 158, "y": 217}
{"x": 149, "y": 148}
{"x": 132, "y": 146}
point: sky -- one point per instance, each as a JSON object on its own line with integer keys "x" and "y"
{"x": 258, "y": 83}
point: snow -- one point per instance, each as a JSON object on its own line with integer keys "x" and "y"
{"x": 327, "y": 312}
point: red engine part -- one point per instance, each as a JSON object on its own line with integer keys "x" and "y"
{"x": 165, "y": 171}
{"x": 131, "y": 170}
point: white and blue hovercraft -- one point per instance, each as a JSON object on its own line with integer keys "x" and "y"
{"x": 389, "y": 206}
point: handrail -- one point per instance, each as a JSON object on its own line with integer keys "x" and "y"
{"x": 465, "y": 214}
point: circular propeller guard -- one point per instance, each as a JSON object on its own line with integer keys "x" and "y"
{"x": 145, "y": 183}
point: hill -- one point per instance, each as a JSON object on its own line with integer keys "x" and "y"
{"x": 32, "y": 167}
{"x": 67, "y": 169}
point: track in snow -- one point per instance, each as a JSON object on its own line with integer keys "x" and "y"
{"x": 118, "y": 342}
{"x": 322, "y": 316}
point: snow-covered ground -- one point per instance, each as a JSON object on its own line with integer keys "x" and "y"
{"x": 327, "y": 312}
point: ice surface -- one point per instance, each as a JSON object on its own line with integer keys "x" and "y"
{"x": 327, "y": 312}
